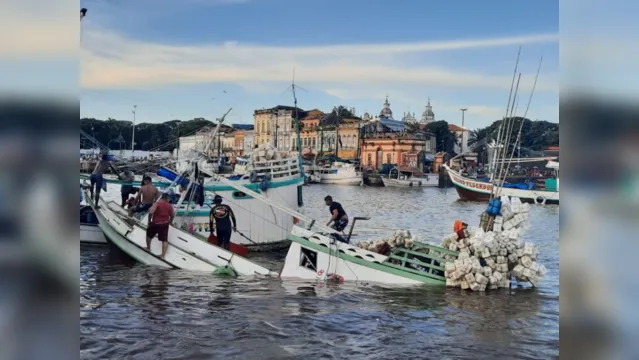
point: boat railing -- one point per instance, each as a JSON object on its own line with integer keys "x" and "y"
{"x": 422, "y": 259}
{"x": 277, "y": 168}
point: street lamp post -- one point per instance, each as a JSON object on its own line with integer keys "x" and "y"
{"x": 463, "y": 110}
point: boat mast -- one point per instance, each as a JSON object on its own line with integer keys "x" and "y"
{"x": 491, "y": 168}
{"x": 521, "y": 125}
{"x": 337, "y": 134}
{"x": 297, "y": 128}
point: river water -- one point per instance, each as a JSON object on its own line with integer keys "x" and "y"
{"x": 132, "y": 311}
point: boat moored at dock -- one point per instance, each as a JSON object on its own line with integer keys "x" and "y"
{"x": 403, "y": 176}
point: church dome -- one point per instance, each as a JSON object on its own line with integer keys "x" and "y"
{"x": 386, "y": 110}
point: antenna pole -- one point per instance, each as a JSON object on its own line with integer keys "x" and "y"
{"x": 133, "y": 135}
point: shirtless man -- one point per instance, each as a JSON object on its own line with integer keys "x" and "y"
{"x": 97, "y": 178}
{"x": 147, "y": 195}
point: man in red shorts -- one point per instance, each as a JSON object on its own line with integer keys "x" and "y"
{"x": 161, "y": 216}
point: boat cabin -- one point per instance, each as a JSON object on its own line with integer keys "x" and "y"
{"x": 405, "y": 173}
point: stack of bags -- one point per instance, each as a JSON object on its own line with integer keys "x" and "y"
{"x": 266, "y": 152}
{"x": 383, "y": 246}
{"x": 488, "y": 259}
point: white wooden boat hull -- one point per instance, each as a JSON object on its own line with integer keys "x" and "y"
{"x": 92, "y": 234}
{"x": 426, "y": 181}
{"x": 340, "y": 180}
{"x": 265, "y": 226}
{"x": 474, "y": 190}
{"x": 186, "y": 242}
{"x": 333, "y": 264}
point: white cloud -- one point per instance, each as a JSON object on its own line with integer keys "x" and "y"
{"x": 114, "y": 61}
{"x": 35, "y": 28}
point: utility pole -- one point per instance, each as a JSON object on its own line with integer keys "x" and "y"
{"x": 133, "y": 135}
{"x": 463, "y": 110}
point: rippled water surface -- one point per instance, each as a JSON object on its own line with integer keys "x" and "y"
{"x": 133, "y": 311}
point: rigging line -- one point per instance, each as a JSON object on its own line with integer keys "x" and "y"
{"x": 499, "y": 132}
{"x": 532, "y": 92}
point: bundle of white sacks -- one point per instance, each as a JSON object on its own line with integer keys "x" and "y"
{"x": 488, "y": 259}
{"x": 265, "y": 152}
{"x": 398, "y": 238}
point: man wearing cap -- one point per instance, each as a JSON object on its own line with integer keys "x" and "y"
{"x": 220, "y": 219}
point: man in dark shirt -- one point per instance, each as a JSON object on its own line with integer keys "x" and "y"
{"x": 220, "y": 219}
{"x": 338, "y": 215}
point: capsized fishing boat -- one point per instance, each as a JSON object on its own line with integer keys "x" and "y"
{"x": 319, "y": 252}
{"x": 185, "y": 251}
{"x": 319, "y": 256}
{"x": 404, "y": 176}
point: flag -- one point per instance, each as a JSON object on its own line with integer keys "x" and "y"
{"x": 83, "y": 13}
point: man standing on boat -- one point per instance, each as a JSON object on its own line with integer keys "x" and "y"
{"x": 220, "y": 219}
{"x": 338, "y": 215}
{"x": 161, "y": 216}
{"x": 146, "y": 197}
{"x": 97, "y": 177}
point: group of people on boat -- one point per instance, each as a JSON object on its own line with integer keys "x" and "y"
{"x": 161, "y": 212}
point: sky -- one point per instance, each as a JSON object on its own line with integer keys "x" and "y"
{"x": 198, "y": 58}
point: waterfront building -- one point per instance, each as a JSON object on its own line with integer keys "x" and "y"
{"x": 309, "y": 131}
{"x": 386, "y": 141}
{"x": 276, "y": 126}
{"x": 248, "y": 144}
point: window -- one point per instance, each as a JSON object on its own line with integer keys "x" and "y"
{"x": 369, "y": 157}
{"x": 308, "y": 259}
{"x": 388, "y": 159}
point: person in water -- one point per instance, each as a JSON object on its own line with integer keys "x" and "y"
{"x": 220, "y": 219}
{"x": 97, "y": 178}
{"x": 147, "y": 195}
{"x": 338, "y": 215}
{"x": 161, "y": 216}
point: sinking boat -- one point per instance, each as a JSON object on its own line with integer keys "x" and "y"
{"x": 185, "y": 251}
{"x": 320, "y": 253}
{"x": 321, "y": 257}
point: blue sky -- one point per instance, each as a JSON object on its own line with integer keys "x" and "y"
{"x": 191, "y": 58}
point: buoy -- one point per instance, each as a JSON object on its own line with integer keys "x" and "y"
{"x": 225, "y": 271}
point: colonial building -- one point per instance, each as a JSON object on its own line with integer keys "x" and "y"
{"x": 242, "y": 134}
{"x": 339, "y": 133}
{"x": 409, "y": 118}
{"x": 248, "y": 144}
{"x": 276, "y": 126}
{"x": 309, "y": 133}
{"x": 428, "y": 116}
{"x": 385, "y": 141}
